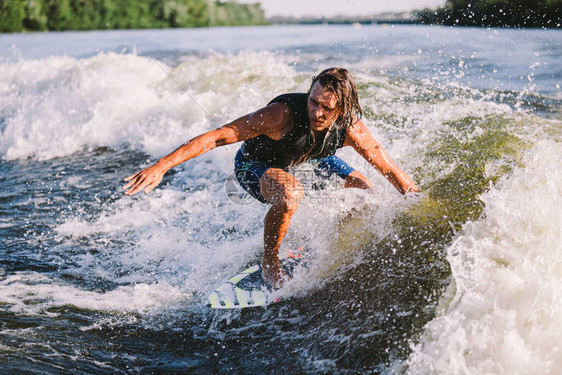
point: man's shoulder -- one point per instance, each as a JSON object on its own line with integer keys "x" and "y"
{"x": 296, "y": 104}
{"x": 291, "y": 98}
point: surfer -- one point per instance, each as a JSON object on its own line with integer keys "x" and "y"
{"x": 291, "y": 129}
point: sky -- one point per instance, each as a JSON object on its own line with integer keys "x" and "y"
{"x": 329, "y": 8}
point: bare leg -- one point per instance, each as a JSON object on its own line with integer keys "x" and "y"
{"x": 284, "y": 192}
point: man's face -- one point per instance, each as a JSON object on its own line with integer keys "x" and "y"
{"x": 322, "y": 107}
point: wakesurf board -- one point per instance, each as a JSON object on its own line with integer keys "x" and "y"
{"x": 248, "y": 289}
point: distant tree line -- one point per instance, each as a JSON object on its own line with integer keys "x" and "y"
{"x": 58, "y": 15}
{"x": 496, "y": 13}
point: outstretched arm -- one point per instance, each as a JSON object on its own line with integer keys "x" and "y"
{"x": 359, "y": 137}
{"x": 271, "y": 121}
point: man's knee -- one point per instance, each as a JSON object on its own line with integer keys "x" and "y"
{"x": 287, "y": 197}
{"x": 282, "y": 189}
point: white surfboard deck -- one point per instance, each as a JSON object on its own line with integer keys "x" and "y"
{"x": 248, "y": 289}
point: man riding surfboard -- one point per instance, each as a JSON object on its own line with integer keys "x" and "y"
{"x": 292, "y": 129}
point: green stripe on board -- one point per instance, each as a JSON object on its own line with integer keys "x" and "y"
{"x": 214, "y": 299}
{"x": 236, "y": 279}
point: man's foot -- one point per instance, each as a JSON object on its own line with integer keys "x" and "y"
{"x": 274, "y": 276}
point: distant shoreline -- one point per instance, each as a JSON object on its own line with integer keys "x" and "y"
{"x": 385, "y": 18}
{"x": 39, "y": 16}
{"x": 351, "y": 23}
{"x": 442, "y": 17}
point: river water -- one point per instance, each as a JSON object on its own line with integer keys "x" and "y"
{"x": 462, "y": 279}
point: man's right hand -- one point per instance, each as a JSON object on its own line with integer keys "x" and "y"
{"x": 146, "y": 179}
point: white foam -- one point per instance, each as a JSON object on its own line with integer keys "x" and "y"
{"x": 170, "y": 236}
{"x": 162, "y": 252}
{"x": 502, "y": 311}
{"x": 60, "y": 105}
{"x": 32, "y": 293}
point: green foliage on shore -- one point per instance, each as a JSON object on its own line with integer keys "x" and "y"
{"x": 59, "y": 15}
{"x": 497, "y": 13}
